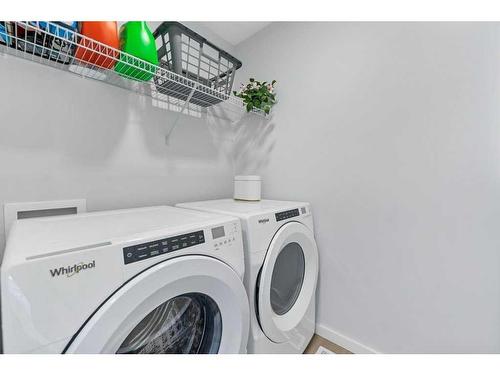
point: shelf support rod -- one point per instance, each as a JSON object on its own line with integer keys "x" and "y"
{"x": 184, "y": 106}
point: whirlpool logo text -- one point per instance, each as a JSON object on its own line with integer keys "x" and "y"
{"x": 72, "y": 270}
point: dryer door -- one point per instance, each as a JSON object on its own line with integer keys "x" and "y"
{"x": 288, "y": 279}
{"x": 190, "y": 304}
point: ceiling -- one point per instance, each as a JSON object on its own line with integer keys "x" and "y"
{"x": 234, "y": 32}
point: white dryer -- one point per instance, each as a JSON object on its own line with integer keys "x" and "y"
{"x": 281, "y": 259}
{"x": 150, "y": 280}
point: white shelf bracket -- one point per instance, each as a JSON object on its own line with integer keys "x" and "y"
{"x": 179, "y": 114}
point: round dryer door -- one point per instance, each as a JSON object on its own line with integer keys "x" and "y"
{"x": 191, "y": 304}
{"x": 288, "y": 280}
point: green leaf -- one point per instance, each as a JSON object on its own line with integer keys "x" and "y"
{"x": 256, "y": 94}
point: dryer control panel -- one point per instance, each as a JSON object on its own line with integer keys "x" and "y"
{"x": 287, "y": 214}
{"x": 166, "y": 245}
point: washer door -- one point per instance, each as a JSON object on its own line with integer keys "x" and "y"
{"x": 287, "y": 281}
{"x": 191, "y": 304}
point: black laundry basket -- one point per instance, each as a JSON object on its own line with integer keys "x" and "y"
{"x": 188, "y": 54}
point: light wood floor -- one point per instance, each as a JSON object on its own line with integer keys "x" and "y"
{"x": 318, "y": 341}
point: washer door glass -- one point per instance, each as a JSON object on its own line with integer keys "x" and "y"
{"x": 287, "y": 278}
{"x": 187, "y": 324}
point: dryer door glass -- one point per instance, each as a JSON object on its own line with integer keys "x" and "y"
{"x": 187, "y": 324}
{"x": 287, "y": 278}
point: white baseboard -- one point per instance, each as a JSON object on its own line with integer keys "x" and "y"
{"x": 343, "y": 341}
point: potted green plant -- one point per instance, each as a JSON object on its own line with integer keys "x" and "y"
{"x": 257, "y": 95}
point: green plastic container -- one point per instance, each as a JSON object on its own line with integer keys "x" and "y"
{"x": 136, "y": 39}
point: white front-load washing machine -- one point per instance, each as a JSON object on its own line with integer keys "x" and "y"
{"x": 281, "y": 259}
{"x": 150, "y": 280}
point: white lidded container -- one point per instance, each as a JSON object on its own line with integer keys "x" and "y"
{"x": 247, "y": 188}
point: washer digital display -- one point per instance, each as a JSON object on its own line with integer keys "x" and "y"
{"x": 218, "y": 232}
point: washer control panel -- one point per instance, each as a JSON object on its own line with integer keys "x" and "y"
{"x": 147, "y": 250}
{"x": 287, "y": 214}
{"x": 224, "y": 236}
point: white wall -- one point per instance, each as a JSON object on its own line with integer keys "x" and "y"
{"x": 392, "y": 132}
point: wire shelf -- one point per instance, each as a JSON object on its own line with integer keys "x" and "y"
{"x": 55, "y": 45}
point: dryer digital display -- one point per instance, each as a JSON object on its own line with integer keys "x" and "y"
{"x": 166, "y": 245}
